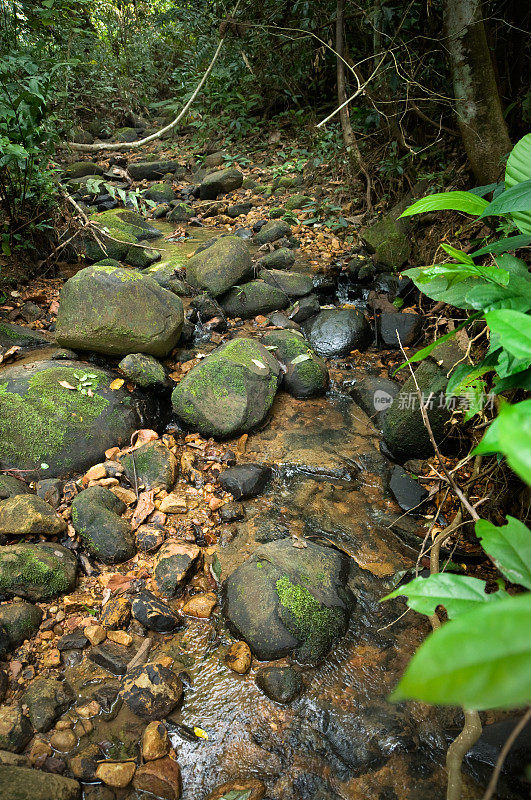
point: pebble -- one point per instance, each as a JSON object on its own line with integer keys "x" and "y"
{"x": 38, "y": 749}
{"x": 95, "y": 473}
{"x": 112, "y": 657}
{"x": 120, "y": 637}
{"x": 161, "y": 777}
{"x": 52, "y": 658}
{"x": 155, "y": 741}
{"x": 201, "y": 605}
{"x": 117, "y": 775}
{"x": 239, "y": 657}
{"x": 95, "y": 634}
{"x": 251, "y": 789}
{"x": 173, "y": 504}
{"x": 91, "y": 709}
{"x": 63, "y": 741}
{"x": 116, "y": 613}
{"x": 127, "y": 496}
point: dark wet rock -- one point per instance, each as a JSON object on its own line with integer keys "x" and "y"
{"x": 280, "y": 320}
{"x": 36, "y": 571}
{"x": 181, "y": 213}
{"x": 143, "y": 370}
{"x": 118, "y": 311}
{"x": 252, "y": 298}
{"x": 151, "y": 691}
{"x": 149, "y": 538}
{"x": 161, "y": 778}
{"x": 276, "y": 229}
{"x": 239, "y": 209}
{"x": 46, "y": 700}
{"x": 286, "y": 600}
{"x": 151, "y": 170}
{"x": 232, "y": 512}
{"x": 268, "y": 529}
{"x": 72, "y": 641}
{"x": 51, "y": 490}
{"x": 172, "y": 566}
{"x": 221, "y": 182}
{"x": 408, "y": 493}
{"x": 12, "y": 335}
{"x": 396, "y": 329}
{"x": 21, "y": 783}
{"x": 306, "y": 374}
{"x": 282, "y": 258}
{"x": 11, "y": 486}
{"x": 154, "y": 614}
{"x": 207, "y": 308}
{"x": 219, "y": 267}
{"x": 4, "y": 684}
{"x": 404, "y": 431}
{"x": 78, "y": 169}
{"x": 141, "y": 257}
{"x": 126, "y": 134}
{"x": 153, "y": 465}
{"x": 304, "y": 309}
{"x": 245, "y": 480}
{"x": 15, "y": 730}
{"x": 20, "y": 620}
{"x": 294, "y": 284}
{"x": 96, "y": 518}
{"x": 336, "y": 331}
{"x": 229, "y": 392}
{"x": 112, "y": 657}
{"x": 42, "y": 422}
{"x": 27, "y": 515}
{"x": 160, "y": 193}
{"x": 5, "y": 643}
{"x": 375, "y": 396}
{"x": 281, "y": 684}
{"x": 482, "y": 756}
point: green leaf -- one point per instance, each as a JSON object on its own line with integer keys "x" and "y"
{"x": 459, "y": 255}
{"x": 479, "y": 660}
{"x": 237, "y": 794}
{"x": 513, "y": 329}
{"x": 510, "y": 434}
{"x": 421, "y": 354}
{"x": 517, "y": 198}
{"x": 509, "y": 546}
{"x": 503, "y": 245}
{"x": 457, "y": 593}
{"x": 448, "y": 201}
{"x": 518, "y": 170}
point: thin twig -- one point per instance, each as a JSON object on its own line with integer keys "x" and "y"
{"x": 504, "y": 752}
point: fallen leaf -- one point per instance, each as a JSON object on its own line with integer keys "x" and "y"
{"x": 142, "y": 436}
{"x": 67, "y": 385}
{"x": 117, "y": 384}
{"x": 144, "y": 508}
{"x": 258, "y": 363}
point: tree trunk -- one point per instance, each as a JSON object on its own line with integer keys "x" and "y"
{"x": 478, "y": 106}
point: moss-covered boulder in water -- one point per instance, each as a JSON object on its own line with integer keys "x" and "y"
{"x": 285, "y": 600}
{"x": 294, "y": 284}
{"x": 36, "y": 571}
{"x": 230, "y": 391}
{"x": 118, "y": 311}
{"x": 141, "y": 257}
{"x": 306, "y": 373}
{"x": 130, "y": 222}
{"x": 54, "y": 430}
{"x": 250, "y": 299}
{"x": 219, "y": 266}
{"x": 96, "y": 518}
{"x": 143, "y": 370}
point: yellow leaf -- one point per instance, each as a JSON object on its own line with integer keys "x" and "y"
{"x": 200, "y": 733}
{"x": 117, "y": 384}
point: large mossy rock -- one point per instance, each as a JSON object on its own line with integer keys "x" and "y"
{"x": 388, "y": 241}
{"x": 96, "y": 518}
{"x": 220, "y": 182}
{"x": 306, "y": 374}
{"x": 294, "y": 284}
{"x": 20, "y": 620}
{"x": 285, "y": 600}
{"x": 230, "y": 392}
{"x": 55, "y": 431}
{"x": 20, "y": 783}
{"x": 118, "y": 311}
{"x": 222, "y": 265}
{"x": 130, "y": 222}
{"x": 336, "y": 331}
{"x": 151, "y": 170}
{"x": 250, "y": 299}
{"x": 79, "y": 169}
{"x": 18, "y": 336}
{"x": 36, "y": 571}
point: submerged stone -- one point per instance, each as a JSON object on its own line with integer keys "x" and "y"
{"x": 47, "y": 699}
{"x": 281, "y": 684}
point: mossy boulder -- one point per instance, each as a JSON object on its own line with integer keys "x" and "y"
{"x": 18, "y": 336}
{"x": 297, "y": 201}
{"x": 180, "y": 213}
{"x": 250, "y": 299}
{"x": 306, "y": 374}
{"x": 47, "y": 699}
{"x": 276, "y": 229}
{"x": 11, "y": 486}
{"x": 152, "y": 465}
{"x": 96, "y": 518}
{"x": 20, "y": 620}
{"x": 79, "y": 169}
{"x": 107, "y": 262}
{"x": 336, "y": 331}
{"x": 36, "y": 571}
{"x": 387, "y": 241}
{"x": 230, "y": 391}
{"x": 151, "y": 170}
{"x": 221, "y": 265}
{"x": 29, "y": 515}
{"x": 55, "y": 431}
{"x": 126, "y": 135}
{"x": 290, "y": 601}
{"x": 282, "y": 258}
{"x": 118, "y": 311}
{"x": 128, "y": 222}
{"x": 143, "y": 370}
{"x": 220, "y": 182}
{"x": 20, "y": 783}
{"x": 141, "y": 257}
{"x": 160, "y": 193}
{"x": 294, "y": 284}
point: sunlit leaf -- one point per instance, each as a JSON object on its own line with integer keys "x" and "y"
{"x": 459, "y": 594}
{"x": 509, "y": 546}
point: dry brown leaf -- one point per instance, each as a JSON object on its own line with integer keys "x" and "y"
{"x": 143, "y": 436}
{"x": 144, "y": 508}
{"x": 67, "y": 385}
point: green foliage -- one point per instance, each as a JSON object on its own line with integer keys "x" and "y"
{"x": 517, "y": 171}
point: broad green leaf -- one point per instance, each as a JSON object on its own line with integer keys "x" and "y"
{"x": 466, "y": 375}
{"x": 459, "y": 255}
{"x": 457, "y": 593}
{"x": 513, "y": 329}
{"x": 518, "y": 170}
{"x": 510, "y": 434}
{"x": 421, "y": 354}
{"x": 479, "y": 660}
{"x": 509, "y": 546}
{"x": 503, "y": 245}
{"x": 448, "y": 201}
{"x": 481, "y": 191}
{"x": 521, "y": 380}
{"x": 517, "y": 198}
